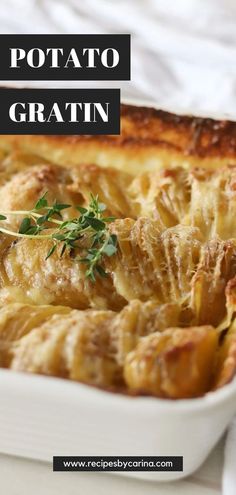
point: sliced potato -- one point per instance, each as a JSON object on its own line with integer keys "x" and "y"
{"x": 177, "y": 363}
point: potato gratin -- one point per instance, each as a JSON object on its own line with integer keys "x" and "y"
{"x": 159, "y": 316}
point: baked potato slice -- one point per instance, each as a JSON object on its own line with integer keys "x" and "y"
{"x": 17, "y": 320}
{"x": 89, "y": 346}
{"x": 216, "y": 268}
{"x": 177, "y": 363}
{"x": 154, "y": 264}
{"x": 226, "y": 362}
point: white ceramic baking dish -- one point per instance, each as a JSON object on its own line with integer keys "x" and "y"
{"x": 41, "y": 417}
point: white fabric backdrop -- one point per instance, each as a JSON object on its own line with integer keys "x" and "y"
{"x": 183, "y": 51}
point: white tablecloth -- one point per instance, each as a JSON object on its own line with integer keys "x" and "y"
{"x": 24, "y": 477}
{"x": 183, "y": 51}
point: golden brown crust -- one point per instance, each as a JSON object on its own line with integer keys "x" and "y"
{"x": 186, "y": 134}
{"x": 160, "y": 138}
{"x": 145, "y": 126}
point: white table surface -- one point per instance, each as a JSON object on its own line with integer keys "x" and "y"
{"x": 24, "y": 477}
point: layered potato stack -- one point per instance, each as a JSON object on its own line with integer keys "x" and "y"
{"x": 162, "y": 322}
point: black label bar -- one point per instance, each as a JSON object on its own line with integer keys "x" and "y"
{"x": 120, "y": 463}
{"x": 59, "y": 111}
{"x": 74, "y": 57}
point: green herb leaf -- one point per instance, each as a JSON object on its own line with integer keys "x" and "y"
{"x": 63, "y": 250}
{"x": 102, "y": 207}
{"x": 41, "y": 220}
{"x": 90, "y": 274}
{"x": 95, "y": 223}
{"x": 25, "y": 225}
{"x": 81, "y": 209}
{"x": 51, "y": 251}
{"x": 72, "y": 226}
{"x": 41, "y": 203}
{"x": 109, "y": 250}
{"x": 87, "y": 232}
{"x": 101, "y": 271}
{"x": 60, "y": 206}
{"x": 113, "y": 239}
{"x": 33, "y": 230}
{"x": 59, "y": 237}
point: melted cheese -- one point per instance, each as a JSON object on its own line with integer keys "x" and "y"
{"x": 175, "y": 267}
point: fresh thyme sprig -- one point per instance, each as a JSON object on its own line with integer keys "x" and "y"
{"x": 88, "y": 231}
